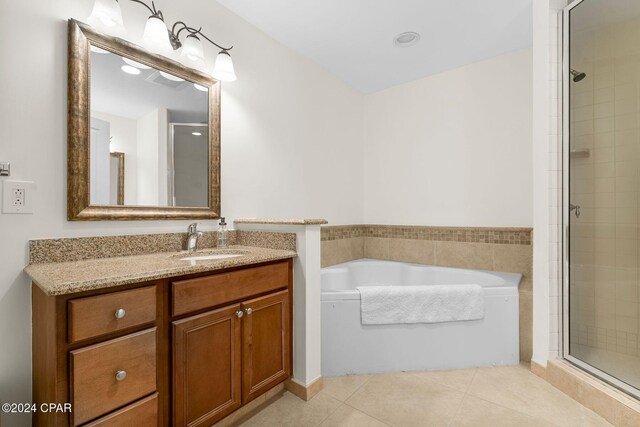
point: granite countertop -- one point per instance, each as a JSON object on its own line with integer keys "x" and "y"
{"x": 311, "y": 221}
{"x": 60, "y": 278}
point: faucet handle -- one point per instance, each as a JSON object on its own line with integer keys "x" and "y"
{"x": 193, "y": 228}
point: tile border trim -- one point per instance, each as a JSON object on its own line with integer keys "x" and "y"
{"x": 496, "y": 235}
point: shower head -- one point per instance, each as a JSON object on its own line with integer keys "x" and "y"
{"x": 577, "y": 75}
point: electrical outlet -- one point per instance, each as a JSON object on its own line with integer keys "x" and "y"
{"x": 17, "y": 197}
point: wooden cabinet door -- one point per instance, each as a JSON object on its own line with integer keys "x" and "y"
{"x": 266, "y": 334}
{"x": 207, "y": 367}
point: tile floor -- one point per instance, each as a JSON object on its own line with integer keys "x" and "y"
{"x": 491, "y": 397}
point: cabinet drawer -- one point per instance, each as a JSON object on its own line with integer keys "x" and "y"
{"x": 95, "y": 388}
{"x": 143, "y": 413}
{"x": 94, "y": 316}
{"x": 203, "y": 292}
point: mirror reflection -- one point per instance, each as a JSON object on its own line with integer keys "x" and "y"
{"x": 149, "y": 142}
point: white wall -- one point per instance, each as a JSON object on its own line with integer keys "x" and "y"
{"x": 150, "y": 148}
{"x": 453, "y": 149}
{"x": 99, "y": 163}
{"x": 547, "y": 180}
{"x": 124, "y": 140}
{"x": 291, "y": 140}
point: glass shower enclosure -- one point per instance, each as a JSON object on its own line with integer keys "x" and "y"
{"x": 601, "y": 175}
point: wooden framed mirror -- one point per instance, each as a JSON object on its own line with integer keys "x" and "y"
{"x": 124, "y": 101}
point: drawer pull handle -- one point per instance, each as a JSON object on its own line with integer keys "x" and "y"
{"x": 120, "y": 313}
{"x": 239, "y": 313}
{"x": 248, "y": 311}
{"x": 121, "y": 375}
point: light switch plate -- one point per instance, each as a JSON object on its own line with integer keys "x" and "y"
{"x": 17, "y": 197}
{"x": 5, "y": 168}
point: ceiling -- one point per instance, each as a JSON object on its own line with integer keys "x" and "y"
{"x": 125, "y": 95}
{"x": 353, "y": 39}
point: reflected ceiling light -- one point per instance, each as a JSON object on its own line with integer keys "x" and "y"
{"x": 196, "y": 133}
{"x": 130, "y": 70}
{"x": 200, "y": 87}
{"x": 107, "y": 16}
{"x": 96, "y": 49}
{"x": 406, "y": 39}
{"x": 223, "y": 70}
{"x": 159, "y": 39}
{"x": 135, "y": 64}
{"x": 171, "y": 77}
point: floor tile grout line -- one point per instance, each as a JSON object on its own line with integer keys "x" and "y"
{"x": 332, "y": 412}
{"x": 360, "y": 410}
{"x": 358, "y": 388}
{"x": 464, "y": 396}
{"x": 369, "y": 415}
{"x": 504, "y": 406}
{"x": 514, "y": 410}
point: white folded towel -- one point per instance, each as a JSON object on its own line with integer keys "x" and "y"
{"x": 385, "y": 305}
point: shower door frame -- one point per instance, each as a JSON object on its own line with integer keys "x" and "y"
{"x": 565, "y": 150}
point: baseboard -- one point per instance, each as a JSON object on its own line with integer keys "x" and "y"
{"x": 302, "y": 391}
{"x": 611, "y": 404}
{"x": 251, "y": 408}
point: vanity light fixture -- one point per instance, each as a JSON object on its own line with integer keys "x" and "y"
{"x": 107, "y": 16}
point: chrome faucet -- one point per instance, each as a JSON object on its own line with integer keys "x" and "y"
{"x": 192, "y": 237}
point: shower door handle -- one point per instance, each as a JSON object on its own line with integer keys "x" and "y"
{"x": 575, "y": 208}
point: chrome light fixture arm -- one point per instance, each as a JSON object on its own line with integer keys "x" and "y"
{"x": 152, "y": 9}
{"x": 174, "y": 35}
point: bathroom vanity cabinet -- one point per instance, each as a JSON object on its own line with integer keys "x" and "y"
{"x": 177, "y": 351}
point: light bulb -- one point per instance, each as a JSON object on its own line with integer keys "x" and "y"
{"x": 223, "y": 70}
{"x": 106, "y": 16}
{"x": 192, "y": 49}
{"x": 156, "y": 36}
{"x": 200, "y": 87}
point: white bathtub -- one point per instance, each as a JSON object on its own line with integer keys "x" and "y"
{"x": 348, "y": 347}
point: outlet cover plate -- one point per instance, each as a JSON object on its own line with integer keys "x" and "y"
{"x": 11, "y": 205}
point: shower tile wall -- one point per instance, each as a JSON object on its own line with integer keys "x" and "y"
{"x": 605, "y": 183}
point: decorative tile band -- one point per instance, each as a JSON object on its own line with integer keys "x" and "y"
{"x": 507, "y": 236}
{"x": 84, "y": 248}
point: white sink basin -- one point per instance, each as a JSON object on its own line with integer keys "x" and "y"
{"x": 209, "y": 257}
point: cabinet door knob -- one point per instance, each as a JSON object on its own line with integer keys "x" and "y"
{"x": 248, "y": 310}
{"x": 120, "y": 313}
{"x": 121, "y": 375}
{"x": 239, "y": 313}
